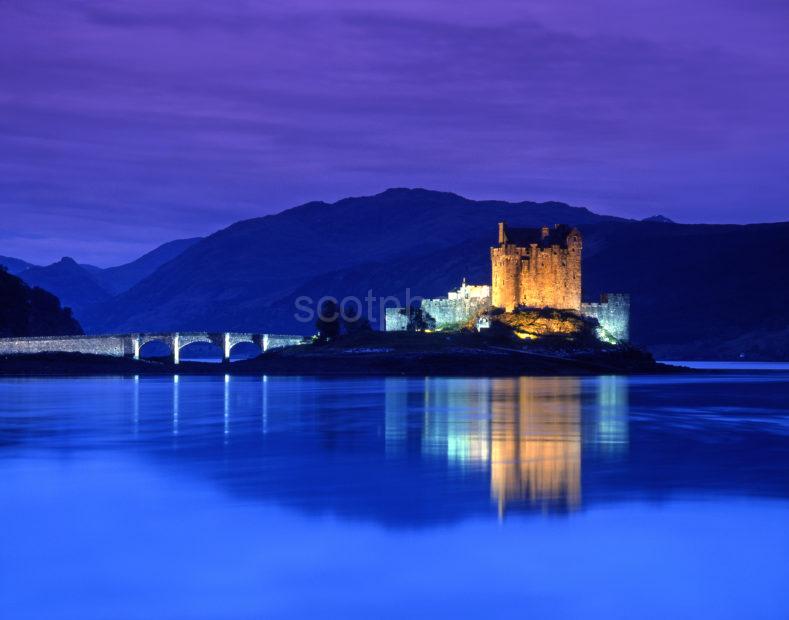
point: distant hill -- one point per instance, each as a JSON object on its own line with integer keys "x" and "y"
{"x": 70, "y": 282}
{"x": 91, "y": 269}
{"x": 239, "y": 276}
{"x": 659, "y": 219}
{"x": 81, "y": 286}
{"x": 27, "y": 311}
{"x": 116, "y": 280}
{"x": 697, "y": 290}
{"x": 14, "y": 265}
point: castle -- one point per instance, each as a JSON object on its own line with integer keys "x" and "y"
{"x": 445, "y": 313}
{"x": 530, "y": 267}
{"x": 537, "y": 267}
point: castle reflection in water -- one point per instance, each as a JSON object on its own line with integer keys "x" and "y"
{"x": 529, "y": 433}
{"x": 528, "y": 436}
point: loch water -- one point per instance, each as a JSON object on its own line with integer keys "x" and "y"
{"x": 273, "y": 497}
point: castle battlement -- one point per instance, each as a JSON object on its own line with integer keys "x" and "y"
{"x": 537, "y": 267}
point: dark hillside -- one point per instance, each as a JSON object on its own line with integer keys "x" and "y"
{"x": 697, "y": 290}
{"x": 74, "y": 285}
{"x": 234, "y": 275}
{"x": 26, "y": 311}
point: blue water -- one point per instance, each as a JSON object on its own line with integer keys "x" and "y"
{"x": 209, "y": 498}
{"x": 730, "y": 365}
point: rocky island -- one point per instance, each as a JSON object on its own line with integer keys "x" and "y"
{"x": 529, "y": 321}
{"x": 527, "y": 342}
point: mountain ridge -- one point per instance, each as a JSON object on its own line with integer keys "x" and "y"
{"x": 81, "y": 286}
{"x": 255, "y": 262}
{"x": 694, "y": 287}
{"x": 74, "y": 285}
{"x": 13, "y": 265}
{"x": 116, "y": 280}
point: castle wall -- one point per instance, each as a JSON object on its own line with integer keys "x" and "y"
{"x": 505, "y": 279}
{"x": 550, "y": 278}
{"x": 396, "y": 320}
{"x": 452, "y": 313}
{"x": 535, "y": 275}
{"x": 448, "y": 312}
{"x": 613, "y": 314}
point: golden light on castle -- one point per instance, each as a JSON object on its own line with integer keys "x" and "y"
{"x": 535, "y": 290}
{"x": 537, "y": 267}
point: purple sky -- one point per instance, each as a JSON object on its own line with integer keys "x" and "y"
{"x": 128, "y": 123}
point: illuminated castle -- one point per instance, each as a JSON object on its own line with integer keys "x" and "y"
{"x": 537, "y": 267}
{"x": 541, "y": 268}
{"x": 530, "y": 268}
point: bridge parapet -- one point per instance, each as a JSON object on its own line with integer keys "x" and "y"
{"x": 117, "y": 346}
{"x": 276, "y": 341}
{"x": 120, "y": 345}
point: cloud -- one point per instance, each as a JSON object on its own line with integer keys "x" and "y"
{"x": 192, "y": 114}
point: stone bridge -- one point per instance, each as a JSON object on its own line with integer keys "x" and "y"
{"x": 130, "y": 345}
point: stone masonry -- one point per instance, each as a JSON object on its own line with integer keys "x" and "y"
{"x": 537, "y": 267}
{"x": 450, "y": 312}
{"x": 532, "y": 267}
{"x": 459, "y": 306}
{"x": 613, "y": 314}
{"x": 131, "y": 344}
{"x": 396, "y": 320}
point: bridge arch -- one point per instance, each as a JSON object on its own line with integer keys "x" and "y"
{"x": 201, "y": 350}
{"x": 184, "y": 339}
{"x": 153, "y": 347}
{"x": 244, "y": 349}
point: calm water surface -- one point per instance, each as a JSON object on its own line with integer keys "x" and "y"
{"x": 202, "y": 497}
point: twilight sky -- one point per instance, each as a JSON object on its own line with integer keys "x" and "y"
{"x": 127, "y": 123}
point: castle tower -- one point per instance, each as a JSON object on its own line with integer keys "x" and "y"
{"x": 537, "y": 267}
{"x": 572, "y": 273}
{"x": 505, "y": 279}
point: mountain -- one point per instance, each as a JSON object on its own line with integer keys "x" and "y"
{"x": 659, "y": 219}
{"x": 74, "y": 285}
{"x": 27, "y": 311}
{"x": 14, "y": 265}
{"x": 116, "y": 280}
{"x": 697, "y": 290}
{"x": 91, "y": 269}
{"x": 235, "y": 278}
{"x": 82, "y": 286}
